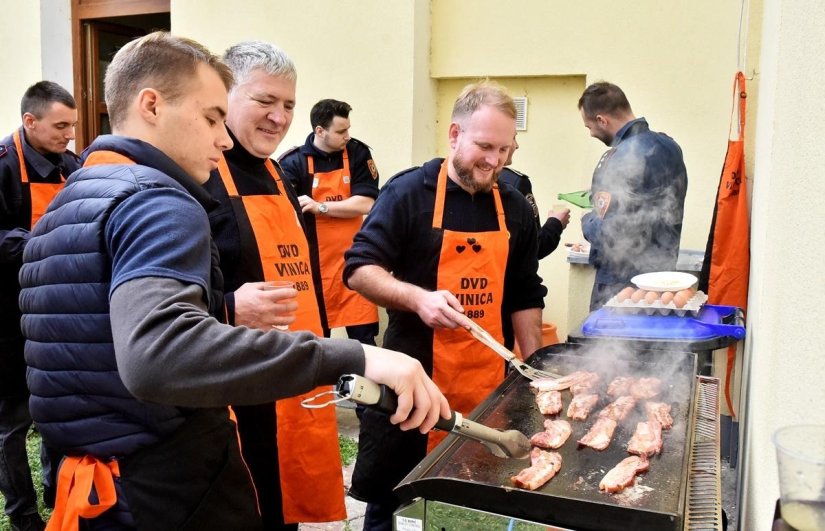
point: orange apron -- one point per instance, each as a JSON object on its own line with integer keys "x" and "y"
{"x": 344, "y": 306}
{"x": 312, "y": 483}
{"x": 78, "y": 474}
{"x": 730, "y": 255}
{"x": 471, "y": 266}
{"x": 41, "y": 193}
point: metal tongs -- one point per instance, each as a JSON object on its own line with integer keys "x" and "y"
{"x": 363, "y": 391}
{"x": 527, "y": 371}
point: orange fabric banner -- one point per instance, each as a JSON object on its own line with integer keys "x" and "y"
{"x": 729, "y": 246}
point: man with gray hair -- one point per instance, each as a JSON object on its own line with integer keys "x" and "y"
{"x": 638, "y": 194}
{"x": 292, "y": 452}
{"x": 442, "y": 243}
{"x": 130, "y": 369}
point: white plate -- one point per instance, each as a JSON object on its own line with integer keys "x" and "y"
{"x": 579, "y": 254}
{"x": 664, "y": 281}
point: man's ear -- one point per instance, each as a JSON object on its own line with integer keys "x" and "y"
{"x": 455, "y": 129}
{"x": 602, "y": 120}
{"x": 28, "y": 120}
{"x": 319, "y": 130}
{"x": 148, "y": 103}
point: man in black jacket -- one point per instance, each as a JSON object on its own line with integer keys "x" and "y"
{"x": 34, "y": 163}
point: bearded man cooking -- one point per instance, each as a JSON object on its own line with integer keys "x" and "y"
{"x": 444, "y": 241}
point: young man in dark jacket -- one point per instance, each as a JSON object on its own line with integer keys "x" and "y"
{"x": 34, "y": 163}
{"x": 129, "y": 368}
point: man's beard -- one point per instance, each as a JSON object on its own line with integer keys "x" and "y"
{"x": 465, "y": 175}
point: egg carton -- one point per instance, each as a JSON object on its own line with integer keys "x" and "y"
{"x": 691, "y": 307}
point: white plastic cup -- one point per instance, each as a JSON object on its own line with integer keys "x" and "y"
{"x": 800, "y": 455}
{"x": 272, "y": 285}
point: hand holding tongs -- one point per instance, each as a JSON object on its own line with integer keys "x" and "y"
{"x": 361, "y": 390}
{"x": 527, "y": 371}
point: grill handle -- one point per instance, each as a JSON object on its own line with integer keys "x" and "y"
{"x": 363, "y": 391}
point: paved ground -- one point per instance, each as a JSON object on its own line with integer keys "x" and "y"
{"x": 348, "y": 427}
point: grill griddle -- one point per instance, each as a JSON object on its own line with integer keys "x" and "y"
{"x": 464, "y": 473}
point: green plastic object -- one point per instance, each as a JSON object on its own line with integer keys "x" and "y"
{"x": 580, "y": 198}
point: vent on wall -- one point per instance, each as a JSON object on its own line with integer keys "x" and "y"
{"x": 521, "y": 113}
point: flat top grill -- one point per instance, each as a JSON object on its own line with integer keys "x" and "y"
{"x": 465, "y": 473}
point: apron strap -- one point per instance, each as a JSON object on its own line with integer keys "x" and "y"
{"x": 18, "y": 145}
{"x": 441, "y": 193}
{"x": 226, "y": 177}
{"x": 311, "y": 163}
{"x": 275, "y": 175}
{"x": 78, "y": 476}
{"x": 740, "y": 94}
{"x": 229, "y": 181}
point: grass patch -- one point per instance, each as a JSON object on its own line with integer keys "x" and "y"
{"x": 33, "y": 451}
{"x": 349, "y": 449}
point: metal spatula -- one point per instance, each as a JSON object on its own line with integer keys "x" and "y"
{"x": 527, "y": 371}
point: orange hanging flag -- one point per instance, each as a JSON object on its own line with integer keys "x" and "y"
{"x": 727, "y": 257}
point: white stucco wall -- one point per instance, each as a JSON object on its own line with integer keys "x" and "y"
{"x": 20, "y": 58}
{"x": 372, "y": 54}
{"x": 55, "y": 39}
{"x": 788, "y": 277}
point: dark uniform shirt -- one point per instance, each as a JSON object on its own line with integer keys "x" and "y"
{"x": 549, "y": 233}
{"x": 363, "y": 175}
{"x": 15, "y": 224}
{"x": 638, "y": 195}
{"x": 398, "y": 236}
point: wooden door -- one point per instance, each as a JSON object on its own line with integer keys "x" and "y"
{"x": 99, "y": 29}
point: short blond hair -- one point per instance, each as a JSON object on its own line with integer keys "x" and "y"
{"x": 161, "y": 61}
{"x": 476, "y": 95}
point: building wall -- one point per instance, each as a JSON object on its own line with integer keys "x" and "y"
{"x": 372, "y": 54}
{"x": 785, "y": 329}
{"x": 20, "y": 61}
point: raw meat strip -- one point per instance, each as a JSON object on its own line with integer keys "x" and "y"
{"x": 549, "y": 402}
{"x": 555, "y": 434}
{"x": 620, "y": 386}
{"x": 581, "y": 405}
{"x": 647, "y": 439}
{"x": 544, "y": 465}
{"x": 586, "y": 385}
{"x": 645, "y": 388}
{"x": 660, "y": 412}
{"x": 619, "y": 409}
{"x": 600, "y": 434}
{"x": 623, "y": 474}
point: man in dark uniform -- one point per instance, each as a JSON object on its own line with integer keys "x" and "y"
{"x": 337, "y": 183}
{"x": 34, "y": 163}
{"x": 549, "y": 233}
{"x": 442, "y": 243}
{"x": 638, "y": 194}
{"x": 129, "y": 367}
